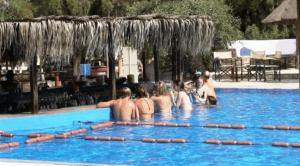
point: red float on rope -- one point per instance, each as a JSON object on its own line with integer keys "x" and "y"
{"x": 172, "y": 125}
{"x": 13, "y": 144}
{"x": 160, "y": 124}
{"x": 225, "y": 126}
{"x": 117, "y": 139}
{"x": 32, "y": 140}
{"x": 163, "y": 140}
{"x": 149, "y": 140}
{"x": 78, "y": 131}
{"x": 295, "y": 128}
{"x": 62, "y": 136}
{"x": 4, "y": 146}
{"x": 238, "y": 126}
{"x": 178, "y": 140}
{"x": 102, "y": 125}
{"x": 229, "y": 142}
{"x": 147, "y": 123}
{"x": 5, "y": 134}
{"x": 184, "y": 125}
{"x": 244, "y": 143}
{"x": 282, "y": 127}
{"x": 295, "y": 145}
{"x": 103, "y": 138}
{"x": 90, "y": 137}
{"x": 213, "y": 141}
{"x": 280, "y": 144}
{"x": 35, "y": 135}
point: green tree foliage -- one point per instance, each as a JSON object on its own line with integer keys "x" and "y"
{"x": 227, "y": 26}
{"x": 252, "y": 13}
{"x": 62, "y": 7}
{"x": 101, "y": 7}
{"x": 19, "y": 9}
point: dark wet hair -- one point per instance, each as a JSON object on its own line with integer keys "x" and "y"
{"x": 141, "y": 92}
{"x": 125, "y": 92}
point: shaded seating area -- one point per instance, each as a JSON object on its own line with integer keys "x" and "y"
{"x": 260, "y": 64}
{"x": 223, "y": 65}
{"x": 254, "y": 67}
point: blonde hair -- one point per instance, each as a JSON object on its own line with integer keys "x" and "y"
{"x": 160, "y": 89}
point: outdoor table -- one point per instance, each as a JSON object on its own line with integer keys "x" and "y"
{"x": 260, "y": 67}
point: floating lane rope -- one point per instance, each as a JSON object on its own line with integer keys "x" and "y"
{"x": 70, "y": 133}
{"x": 146, "y": 140}
{"x": 44, "y": 137}
{"x": 271, "y": 127}
{"x": 226, "y": 126}
{"x": 9, "y": 145}
{"x": 104, "y": 138}
{"x": 102, "y": 125}
{"x": 228, "y": 142}
{"x": 6, "y": 134}
{"x": 157, "y": 124}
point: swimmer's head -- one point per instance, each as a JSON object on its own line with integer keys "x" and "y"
{"x": 206, "y": 75}
{"x": 161, "y": 88}
{"x": 125, "y": 92}
{"x": 141, "y": 92}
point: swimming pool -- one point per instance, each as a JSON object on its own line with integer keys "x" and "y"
{"x": 253, "y": 108}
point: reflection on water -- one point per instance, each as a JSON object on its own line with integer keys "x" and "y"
{"x": 165, "y": 116}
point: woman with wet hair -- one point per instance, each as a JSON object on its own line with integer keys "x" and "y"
{"x": 144, "y": 104}
{"x": 162, "y": 98}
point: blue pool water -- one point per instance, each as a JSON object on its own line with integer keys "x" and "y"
{"x": 253, "y": 108}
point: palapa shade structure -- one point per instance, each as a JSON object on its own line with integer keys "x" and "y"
{"x": 60, "y": 38}
{"x": 287, "y": 13}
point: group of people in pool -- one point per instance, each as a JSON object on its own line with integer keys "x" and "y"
{"x": 182, "y": 95}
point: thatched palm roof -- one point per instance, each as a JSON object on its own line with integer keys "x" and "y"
{"x": 58, "y": 38}
{"x": 286, "y": 12}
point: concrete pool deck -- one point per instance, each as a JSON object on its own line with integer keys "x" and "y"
{"x": 284, "y": 84}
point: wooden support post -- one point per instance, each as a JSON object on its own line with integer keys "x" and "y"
{"x": 298, "y": 38}
{"x": 156, "y": 63}
{"x": 34, "y": 86}
{"x": 112, "y": 64}
{"x": 112, "y": 77}
{"x": 179, "y": 66}
{"x": 144, "y": 55}
{"x": 174, "y": 64}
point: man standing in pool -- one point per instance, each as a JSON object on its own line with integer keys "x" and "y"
{"x": 210, "y": 94}
{"x": 123, "y": 108}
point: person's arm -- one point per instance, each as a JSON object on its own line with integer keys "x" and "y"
{"x": 105, "y": 104}
{"x": 179, "y": 100}
{"x": 154, "y": 98}
{"x": 135, "y": 113}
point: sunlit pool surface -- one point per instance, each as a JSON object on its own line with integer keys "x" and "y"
{"x": 253, "y": 108}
